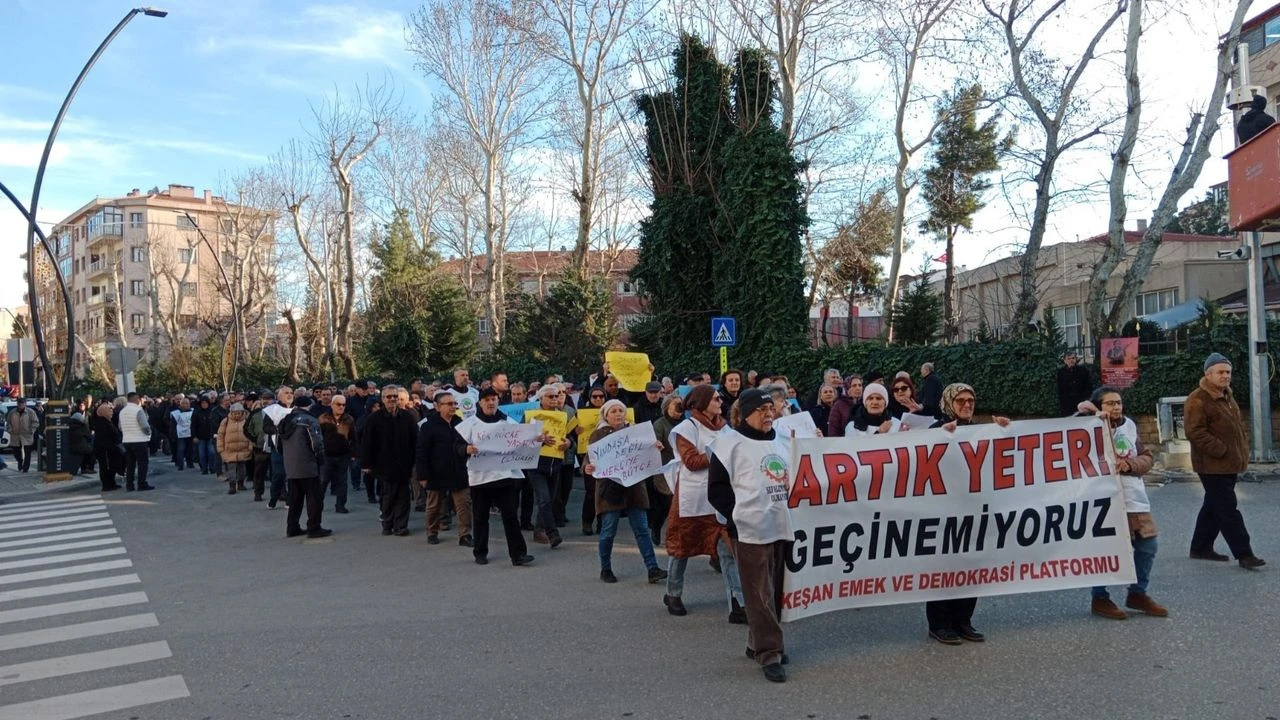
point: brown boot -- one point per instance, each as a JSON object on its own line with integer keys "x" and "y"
{"x": 540, "y": 537}
{"x": 1103, "y": 607}
{"x": 1143, "y": 603}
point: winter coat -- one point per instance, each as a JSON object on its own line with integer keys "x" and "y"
{"x": 1074, "y": 387}
{"x": 79, "y": 441}
{"x": 387, "y": 445}
{"x": 216, "y": 415}
{"x": 841, "y": 414}
{"x": 1254, "y": 121}
{"x": 106, "y": 436}
{"x": 863, "y": 420}
{"x": 202, "y": 427}
{"x": 22, "y": 426}
{"x": 301, "y": 446}
{"x": 647, "y": 411}
{"x": 339, "y": 435}
{"x": 612, "y": 496}
{"x": 441, "y": 455}
{"x": 821, "y": 416}
{"x": 233, "y": 444}
{"x": 930, "y": 395}
{"x": 726, "y": 402}
{"x": 1219, "y": 443}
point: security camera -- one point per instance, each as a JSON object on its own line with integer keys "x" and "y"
{"x": 1240, "y": 253}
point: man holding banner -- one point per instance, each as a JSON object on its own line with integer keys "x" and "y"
{"x": 494, "y": 488}
{"x": 748, "y": 483}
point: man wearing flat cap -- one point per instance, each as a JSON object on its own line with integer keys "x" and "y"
{"x": 1219, "y": 453}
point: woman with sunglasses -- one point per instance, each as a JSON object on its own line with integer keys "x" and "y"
{"x": 902, "y": 397}
{"x": 951, "y": 621}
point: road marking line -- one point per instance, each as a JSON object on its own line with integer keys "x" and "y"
{"x": 32, "y": 638}
{"x": 93, "y": 702}
{"x": 72, "y": 606}
{"x": 60, "y": 512}
{"x": 54, "y": 501}
{"x": 84, "y": 662}
{"x": 55, "y": 559}
{"x": 51, "y": 531}
{"x": 59, "y": 548}
{"x": 68, "y": 587}
{"x": 97, "y": 514}
{"x": 63, "y": 536}
{"x": 60, "y": 572}
{"x": 6, "y": 511}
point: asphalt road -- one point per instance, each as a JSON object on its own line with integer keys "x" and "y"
{"x": 194, "y": 605}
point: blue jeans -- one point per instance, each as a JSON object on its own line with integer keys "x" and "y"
{"x": 542, "y": 487}
{"x": 184, "y": 451}
{"x": 276, "y": 473}
{"x": 639, "y": 527}
{"x": 728, "y": 568}
{"x": 1144, "y": 558}
{"x": 354, "y": 474}
{"x": 205, "y": 452}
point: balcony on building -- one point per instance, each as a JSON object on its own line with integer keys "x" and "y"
{"x": 104, "y": 227}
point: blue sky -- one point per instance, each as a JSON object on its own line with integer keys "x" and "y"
{"x": 214, "y": 87}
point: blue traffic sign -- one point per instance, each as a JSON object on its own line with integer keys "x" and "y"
{"x": 724, "y": 332}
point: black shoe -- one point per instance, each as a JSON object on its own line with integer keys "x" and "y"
{"x": 675, "y": 605}
{"x": 946, "y": 637}
{"x": 522, "y": 560}
{"x": 1251, "y": 562}
{"x": 256, "y": 498}
{"x": 588, "y": 530}
{"x": 1208, "y": 555}
{"x": 402, "y": 532}
{"x": 967, "y": 632}
{"x": 737, "y": 614}
{"x": 715, "y": 563}
{"x": 232, "y": 491}
{"x": 561, "y": 523}
{"x": 386, "y": 531}
{"x": 110, "y": 488}
{"x": 295, "y": 533}
{"x": 773, "y": 672}
{"x": 432, "y": 539}
{"x": 357, "y": 487}
{"x": 319, "y": 533}
{"x": 128, "y": 488}
{"x": 142, "y": 487}
{"x": 751, "y": 655}
{"x": 608, "y": 576}
{"x": 373, "y": 501}
{"x": 465, "y": 541}
{"x": 271, "y": 504}
{"x": 341, "y": 510}
{"x": 656, "y": 575}
{"x": 526, "y": 526}
{"x": 554, "y": 538}
{"x": 480, "y": 560}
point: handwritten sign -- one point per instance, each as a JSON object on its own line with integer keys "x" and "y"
{"x": 802, "y": 423}
{"x": 504, "y": 446}
{"x": 588, "y": 418}
{"x": 516, "y": 411}
{"x": 627, "y": 456}
{"x": 918, "y": 422}
{"x": 555, "y": 423}
{"x": 631, "y": 369}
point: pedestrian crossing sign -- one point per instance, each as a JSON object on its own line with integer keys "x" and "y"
{"x": 724, "y": 332}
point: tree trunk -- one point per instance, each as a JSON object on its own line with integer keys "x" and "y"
{"x": 951, "y": 328}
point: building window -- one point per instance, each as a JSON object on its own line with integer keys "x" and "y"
{"x": 626, "y": 288}
{"x": 137, "y": 288}
{"x": 186, "y": 256}
{"x": 1154, "y": 301}
{"x": 135, "y": 220}
{"x": 1068, "y": 319}
{"x": 186, "y": 223}
{"x": 138, "y": 321}
{"x": 64, "y": 267}
{"x": 227, "y": 224}
{"x": 482, "y": 326}
{"x": 188, "y": 289}
{"x": 137, "y": 254}
{"x": 529, "y": 287}
{"x": 228, "y": 258}
{"x": 107, "y": 221}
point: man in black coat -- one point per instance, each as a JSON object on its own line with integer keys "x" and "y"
{"x": 930, "y": 393}
{"x": 649, "y": 406}
{"x": 1254, "y": 120}
{"x": 1074, "y": 384}
{"x": 388, "y": 442}
{"x": 441, "y": 467}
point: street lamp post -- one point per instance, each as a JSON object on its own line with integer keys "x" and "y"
{"x": 37, "y": 329}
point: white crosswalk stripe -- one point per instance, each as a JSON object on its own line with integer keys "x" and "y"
{"x": 60, "y": 618}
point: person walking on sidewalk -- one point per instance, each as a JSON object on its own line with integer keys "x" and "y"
{"x": 136, "y": 433}
{"x": 22, "y": 423}
{"x": 339, "y": 431}
{"x": 1219, "y": 453}
{"x": 440, "y": 465}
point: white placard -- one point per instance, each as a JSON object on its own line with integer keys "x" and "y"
{"x": 801, "y": 423}
{"x": 917, "y": 422}
{"x": 504, "y": 446}
{"x": 627, "y": 456}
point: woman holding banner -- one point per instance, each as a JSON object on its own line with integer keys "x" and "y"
{"x": 951, "y": 621}
{"x": 613, "y": 500}
{"x": 692, "y": 526}
{"x": 1132, "y": 462}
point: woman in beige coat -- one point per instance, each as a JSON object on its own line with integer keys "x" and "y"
{"x": 234, "y": 447}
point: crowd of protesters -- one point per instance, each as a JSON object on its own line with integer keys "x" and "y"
{"x": 407, "y": 446}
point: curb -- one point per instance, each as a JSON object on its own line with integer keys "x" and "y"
{"x": 62, "y": 486}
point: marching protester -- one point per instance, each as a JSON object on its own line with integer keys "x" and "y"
{"x": 747, "y": 484}
{"x": 692, "y": 526}
{"x": 660, "y": 495}
{"x": 731, "y": 384}
{"x": 872, "y": 416}
{"x": 234, "y": 447}
{"x": 550, "y": 461}
{"x": 388, "y": 443}
{"x": 441, "y": 467}
{"x": 184, "y": 448}
{"x": 613, "y": 501}
{"x": 338, "y": 429}
{"x": 903, "y": 398}
{"x": 1133, "y": 460}
{"x": 951, "y": 621}
{"x": 1219, "y": 453}
{"x": 495, "y": 488}
{"x": 302, "y": 453}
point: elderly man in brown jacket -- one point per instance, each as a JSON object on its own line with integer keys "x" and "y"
{"x": 1219, "y": 452}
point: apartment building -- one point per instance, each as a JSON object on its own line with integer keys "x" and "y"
{"x": 146, "y": 270}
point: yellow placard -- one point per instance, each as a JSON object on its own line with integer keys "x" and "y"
{"x": 587, "y": 420}
{"x": 555, "y": 423}
{"x": 631, "y": 369}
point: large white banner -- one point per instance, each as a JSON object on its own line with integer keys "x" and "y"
{"x": 627, "y": 456}
{"x": 504, "y": 446}
{"x": 928, "y": 515}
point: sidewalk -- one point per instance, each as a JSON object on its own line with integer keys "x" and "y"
{"x": 14, "y": 485}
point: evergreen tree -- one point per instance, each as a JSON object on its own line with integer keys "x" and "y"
{"x": 1205, "y": 217}
{"x": 963, "y": 153}
{"x": 19, "y": 327}
{"x": 569, "y": 329}
{"x": 760, "y": 276}
{"x": 917, "y": 316}
{"x": 1051, "y": 331}
{"x": 419, "y": 318}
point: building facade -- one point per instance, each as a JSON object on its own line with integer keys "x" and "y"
{"x": 149, "y": 270}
